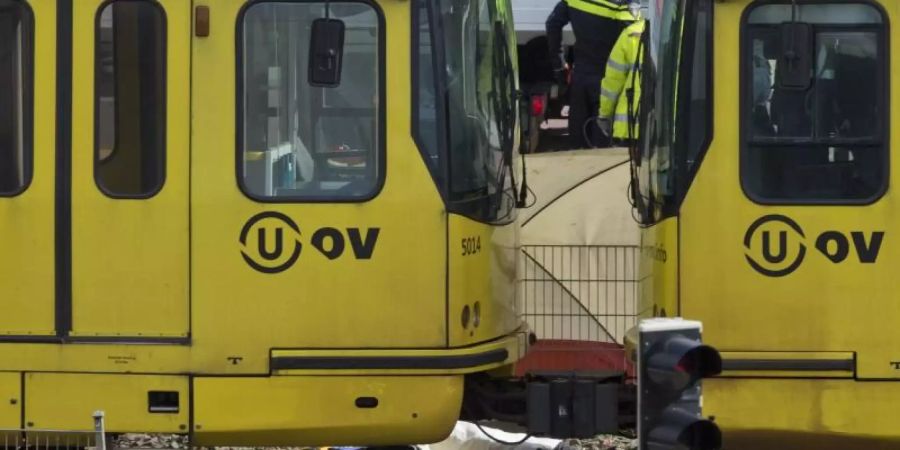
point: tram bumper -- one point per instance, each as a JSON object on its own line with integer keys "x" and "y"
{"x": 804, "y": 413}
{"x": 345, "y": 397}
{"x": 325, "y": 410}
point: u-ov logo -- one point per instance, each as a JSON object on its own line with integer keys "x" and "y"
{"x": 277, "y": 240}
{"x": 779, "y": 250}
{"x": 775, "y": 245}
{"x": 271, "y": 242}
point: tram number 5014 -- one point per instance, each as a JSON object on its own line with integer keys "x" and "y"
{"x": 471, "y": 245}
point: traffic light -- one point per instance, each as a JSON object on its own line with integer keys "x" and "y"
{"x": 671, "y": 362}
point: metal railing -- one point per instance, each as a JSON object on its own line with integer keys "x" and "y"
{"x": 35, "y": 439}
{"x": 583, "y": 293}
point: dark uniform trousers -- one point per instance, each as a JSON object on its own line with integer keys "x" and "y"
{"x": 584, "y": 102}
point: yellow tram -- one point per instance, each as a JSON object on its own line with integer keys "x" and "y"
{"x": 259, "y": 222}
{"x": 763, "y": 185}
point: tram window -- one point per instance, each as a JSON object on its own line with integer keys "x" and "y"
{"x": 677, "y": 111}
{"x": 425, "y": 108}
{"x": 464, "y": 110}
{"x": 696, "y": 121}
{"x": 300, "y": 142}
{"x": 826, "y": 143}
{"x": 16, "y": 52}
{"x": 130, "y": 99}
{"x": 662, "y": 82}
{"x": 480, "y": 88}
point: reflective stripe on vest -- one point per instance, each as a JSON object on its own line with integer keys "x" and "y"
{"x": 603, "y": 8}
{"x": 629, "y": 47}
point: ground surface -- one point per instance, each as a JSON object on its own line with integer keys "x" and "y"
{"x": 476, "y": 442}
{"x": 600, "y": 443}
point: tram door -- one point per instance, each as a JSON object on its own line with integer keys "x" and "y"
{"x": 26, "y": 169}
{"x": 129, "y": 169}
{"x": 787, "y": 227}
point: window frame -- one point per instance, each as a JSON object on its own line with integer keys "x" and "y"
{"x": 380, "y": 113}
{"x": 685, "y": 176}
{"x": 658, "y": 206}
{"x": 468, "y": 207}
{"x": 163, "y": 160}
{"x": 27, "y": 22}
{"x": 883, "y": 33}
{"x": 440, "y": 173}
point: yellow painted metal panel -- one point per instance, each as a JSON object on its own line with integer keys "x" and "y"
{"x": 10, "y": 400}
{"x": 482, "y": 271}
{"x": 658, "y": 272}
{"x": 822, "y": 305}
{"x": 27, "y": 221}
{"x": 804, "y": 414}
{"x": 395, "y": 299}
{"x": 129, "y": 256}
{"x": 119, "y": 358}
{"x": 292, "y": 411}
{"x": 68, "y": 401}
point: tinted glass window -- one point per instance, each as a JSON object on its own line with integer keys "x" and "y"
{"x": 302, "y": 142}
{"x": 425, "y": 108}
{"x": 696, "y": 85}
{"x": 480, "y": 91}
{"x": 130, "y": 99}
{"x": 825, "y": 142}
{"x": 659, "y": 77}
{"x": 16, "y": 37}
{"x": 676, "y": 108}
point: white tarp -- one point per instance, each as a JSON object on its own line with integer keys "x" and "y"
{"x": 466, "y": 436}
{"x": 581, "y": 199}
{"x": 579, "y": 246}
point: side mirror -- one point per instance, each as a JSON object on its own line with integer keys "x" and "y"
{"x": 796, "y": 63}
{"x": 326, "y": 52}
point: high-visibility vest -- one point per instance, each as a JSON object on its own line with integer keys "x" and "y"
{"x": 615, "y": 10}
{"x": 623, "y": 75}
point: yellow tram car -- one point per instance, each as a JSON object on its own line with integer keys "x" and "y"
{"x": 261, "y": 222}
{"x": 763, "y": 186}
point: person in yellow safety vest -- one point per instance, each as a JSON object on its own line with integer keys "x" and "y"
{"x": 620, "y": 90}
{"x": 596, "y": 25}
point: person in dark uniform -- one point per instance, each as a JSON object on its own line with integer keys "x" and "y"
{"x": 597, "y": 25}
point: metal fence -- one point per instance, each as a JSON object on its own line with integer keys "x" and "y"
{"x": 35, "y": 439}
{"x": 583, "y": 293}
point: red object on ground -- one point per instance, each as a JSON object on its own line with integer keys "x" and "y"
{"x": 564, "y": 355}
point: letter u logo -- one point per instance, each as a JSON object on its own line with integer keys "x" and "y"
{"x": 279, "y": 244}
{"x": 771, "y": 257}
{"x": 777, "y": 260}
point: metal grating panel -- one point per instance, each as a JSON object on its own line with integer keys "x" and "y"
{"x": 581, "y": 293}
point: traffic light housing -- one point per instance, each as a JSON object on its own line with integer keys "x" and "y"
{"x": 672, "y": 361}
